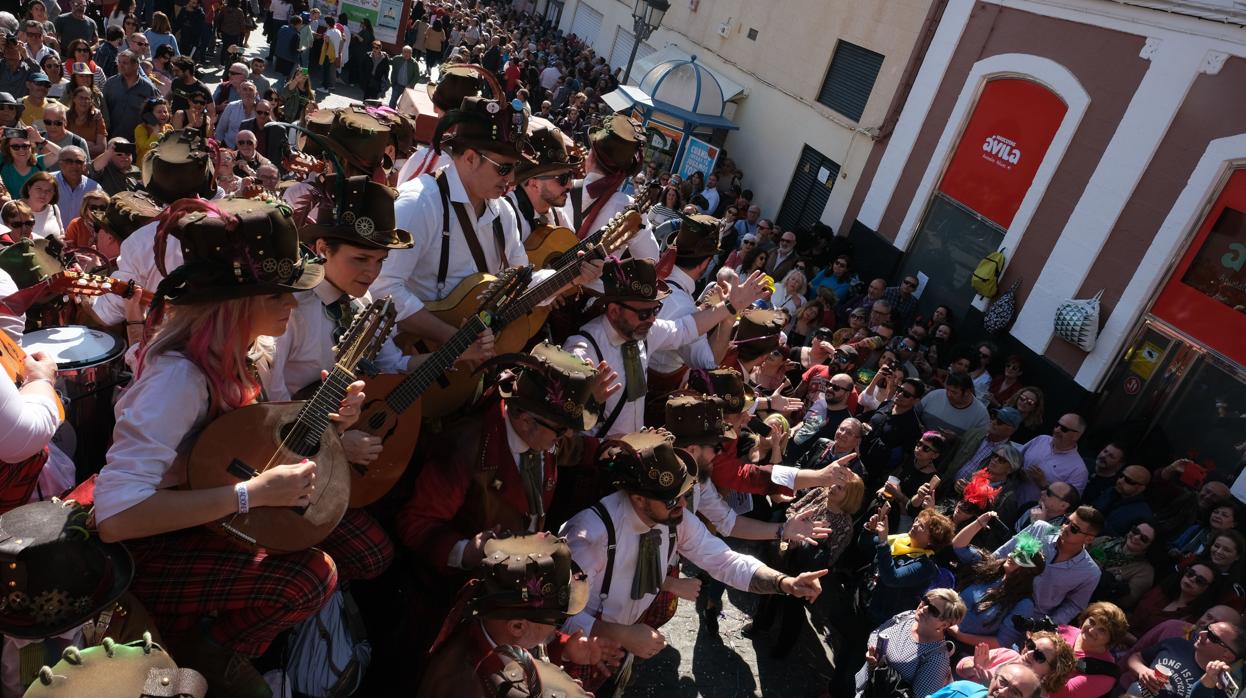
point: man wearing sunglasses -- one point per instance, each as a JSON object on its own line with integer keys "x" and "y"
{"x": 186, "y": 84}
{"x": 270, "y": 139}
{"x": 1054, "y": 457}
{"x": 1193, "y": 667}
{"x": 626, "y": 541}
{"x": 977, "y": 445}
{"x": 54, "y": 130}
{"x": 1126, "y": 504}
{"x": 71, "y": 182}
{"x": 541, "y": 189}
{"x": 1064, "y": 588}
{"x": 1014, "y": 680}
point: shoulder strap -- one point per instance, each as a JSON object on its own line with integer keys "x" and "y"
{"x": 577, "y": 206}
{"x": 1100, "y": 667}
{"x": 600, "y": 510}
{"x": 618, "y": 406}
{"x": 443, "y": 265}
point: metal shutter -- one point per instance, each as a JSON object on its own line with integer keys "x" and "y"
{"x": 622, "y": 47}
{"x": 586, "y": 24}
{"x": 809, "y": 191}
{"x": 850, "y": 79}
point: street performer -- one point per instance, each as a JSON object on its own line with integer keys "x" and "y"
{"x": 456, "y": 83}
{"x": 541, "y": 189}
{"x": 217, "y": 603}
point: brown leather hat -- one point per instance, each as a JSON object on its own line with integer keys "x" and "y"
{"x": 552, "y": 384}
{"x": 55, "y": 575}
{"x": 697, "y": 238}
{"x": 489, "y": 125}
{"x": 726, "y": 384}
{"x": 252, "y": 250}
{"x": 632, "y": 280}
{"x": 647, "y": 463}
{"x": 555, "y": 152}
{"x": 697, "y": 419}
{"x": 759, "y": 329}
{"x": 529, "y": 576}
{"x": 179, "y": 166}
{"x": 457, "y": 82}
{"x": 127, "y": 212}
{"x": 364, "y": 217}
{"x": 140, "y": 669}
{"x": 510, "y": 671}
{"x": 618, "y": 142}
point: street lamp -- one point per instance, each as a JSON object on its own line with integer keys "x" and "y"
{"x": 646, "y": 17}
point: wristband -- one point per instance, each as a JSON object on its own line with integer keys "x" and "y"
{"x": 779, "y": 583}
{"x": 779, "y": 534}
{"x": 244, "y": 499}
{"x": 730, "y": 308}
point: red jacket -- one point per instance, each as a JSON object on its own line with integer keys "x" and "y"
{"x": 730, "y": 472}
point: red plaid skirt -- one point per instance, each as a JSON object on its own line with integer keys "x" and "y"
{"x": 18, "y": 480}
{"x": 252, "y": 596}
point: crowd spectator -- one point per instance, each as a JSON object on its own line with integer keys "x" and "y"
{"x": 71, "y": 181}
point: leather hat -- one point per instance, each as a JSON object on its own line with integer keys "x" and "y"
{"x": 632, "y": 280}
{"x": 457, "y": 83}
{"x": 555, "y": 152}
{"x": 727, "y": 384}
{"x": 489, "y": 125}
{"x": 510, "y": 671}
{"x": 364, "y": 217}
{"x": 178, "y": 166}
{"x": 55, "y": 575}
{"x": 354, "y": 134}
{"x": 552, "y": 384}
{"x": 697, "y": 419}
{"x": 696, "y": 238}
{"x": 249, "y": 249}
{"x": 647, "y": 463}
{"x": 759, "y": 330}
{"x": 140, "y": 669}
{"x": 618, "y": 143}
{"x": 529, "y": 576}
{"x": 127, "y": 212}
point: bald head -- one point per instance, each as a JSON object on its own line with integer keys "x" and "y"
{"x": 1014, "y": 680}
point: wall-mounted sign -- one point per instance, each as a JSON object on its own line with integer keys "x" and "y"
{"x": 699, "y": 156}
{"x": 1002, "y": 146}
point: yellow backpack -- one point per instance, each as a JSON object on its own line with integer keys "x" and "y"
{"x": 986, "y": 275}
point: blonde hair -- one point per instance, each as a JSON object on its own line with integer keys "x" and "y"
{"x": 1061, "y": 665}
{"x": 954, "y": 609}
{"x": 804, "y": 281}
{"x": 854, "y": 494}
{"x": 939, "y": 527}
{"x": 97, "y": 195}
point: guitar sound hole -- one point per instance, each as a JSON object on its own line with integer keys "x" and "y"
{"x": 376, "y": 420}
{"x": 307, "y": 446}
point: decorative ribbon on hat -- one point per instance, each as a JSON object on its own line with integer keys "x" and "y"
{"x": 648, "y": 576}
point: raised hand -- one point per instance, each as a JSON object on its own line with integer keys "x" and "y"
{"x": 605, "y": 383}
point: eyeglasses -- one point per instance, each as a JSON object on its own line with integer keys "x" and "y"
{"x": 96, "y": 208}
{"x": 237, "y": 74}
{"x": 556, "y": 428}
{"x": 1211, "y": 635}
{"x": 242, "y": 142}
{"x": 72, "y": 161}
{"x": 923, "y": 446}
{"x": 22, "y": 224}
{"x": 1039, "y": 655}
{"x": 750, "y": 243}
{"x": 1027, "y": 399}
{"x": 907, "y": 394}
{"x": 82, "y": 49}
{"x": 1202, "y": 581}
{"x": 503, "y": 169}
{"x": 671, "y": 504}
{"x": 1074, "y": 528}
{"x": 1135, "y": 531}
{"x": 563, "y": 179}
{"x": 1130, "y": 481}
{"x": 643, "y": 313}
{"x": 199, "y": 103}
{"x": 141, "y": 43}
{"x": 910, "y": 283}
{"x": 1061, "y": 427}
{"x": 838, "y": 388}
{"x": 263, "y": 113}
{"x": 56, "y": 122}
{"x": 1052, "y": 493}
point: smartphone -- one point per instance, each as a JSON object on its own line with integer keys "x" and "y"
{"x": 758, "y": 426}
{"x": 125, "y": 148}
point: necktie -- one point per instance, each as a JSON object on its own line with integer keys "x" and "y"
{"x": 648, "y": 576}
{"x": 633, "y": 371}
{"x": 533, "y": 479}
{"x": 342, "y": 313}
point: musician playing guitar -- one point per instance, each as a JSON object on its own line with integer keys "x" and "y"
{"x": 235, "y": 289}
{"x": 30, "y": 414}
{"x": 541, "y": 189}
{"x": 353, "y": 240}
{"x": 458, "y": 222}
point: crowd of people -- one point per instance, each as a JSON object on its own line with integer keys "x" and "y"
{"x": 551, "y": 391}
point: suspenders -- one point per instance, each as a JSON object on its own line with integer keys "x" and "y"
{"x": 469, "y": 234}
{"x": 618, "y": 406}
{"x": 612, "y": 542}
{"x": 577, "y": 206}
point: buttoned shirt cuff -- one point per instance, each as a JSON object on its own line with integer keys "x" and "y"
{"x": 455, "y": 558}
{"x": 784, "y": 476}
{"x": 583, "y": 621}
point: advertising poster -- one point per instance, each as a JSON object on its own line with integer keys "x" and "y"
{"x": 699, "y": 156}
{"x": 384, "y": 15}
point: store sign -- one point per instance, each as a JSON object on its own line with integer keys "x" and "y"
{"x": 699, "y": 156}
{"x": 1002, "y": 146}
{"x": 385, "y": 16}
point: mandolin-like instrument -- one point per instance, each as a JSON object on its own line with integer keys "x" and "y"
{"x": 72, "y": 283}
{"x": 243, "y": 443}
{"x": 519, "y": 321}
{"x": 393, "y": 412}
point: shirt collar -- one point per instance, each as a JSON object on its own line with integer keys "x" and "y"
{"x": 516, "y": 443}
{"x": 458, "y": 192}
{"x": 630, "y": 517}
{"x": 613, "y": 336}
{"x": 678, "y": 277}
{"x": 327, "y": 292}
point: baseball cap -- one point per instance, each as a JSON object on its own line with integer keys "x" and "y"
{"x": 1009, "y": 416}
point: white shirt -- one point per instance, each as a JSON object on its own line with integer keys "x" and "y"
{"x": 680, "y": 303}
{"x": 27, "y": 422}
{"x": 410, "y": 276}
{"x": 280, "y": 10}
{"x": 137, "y": 263}
{"x": 48, "y": 223}
{"x": 152, "y": 420}
{"x": 307, "y": 345}
{"x": 549, "y": 77}
{"x": 643, "y": 245}
{"x": 12, "y": 325}
{"x": 553, "y": 216}
{"x": 664, "y": 334}
{"x": 709, "y": 502}
{"x": 586, "y": 536}
{"x": 421, "y": 161}
{"x": 712, "y": 198}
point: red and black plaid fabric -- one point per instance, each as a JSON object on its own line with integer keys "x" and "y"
{"x": 253, "y": 596}
{"x": 18, "y": 480}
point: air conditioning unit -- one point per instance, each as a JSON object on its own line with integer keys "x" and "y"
{"x": 724, "y": 29}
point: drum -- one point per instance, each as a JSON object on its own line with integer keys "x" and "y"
{"x": 90, "y": 364}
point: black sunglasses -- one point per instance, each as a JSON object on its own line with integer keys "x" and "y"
{"x": 1039, "y": 655}
{"x": 563, "y": 179}
{"x": 907, "y": 394}
{"x": 1202, "y": 581}
{"x": 98, "y": 208}
{"x": 22, "y": 224}
{"x": 1135, "y": 531}
{"x": 503, "y": 170}
{"x": 934, "y": 611}
{"x": 838, "y": 388}
{"x": 1061, "y": 427}
{"x": 1211, "y": 635}
{"x": 645, "y": 313}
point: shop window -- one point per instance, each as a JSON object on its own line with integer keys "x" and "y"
{"x": 1218, "y": 269}
{"x": 850, "y": 79}
{"x": 949, "y": 244}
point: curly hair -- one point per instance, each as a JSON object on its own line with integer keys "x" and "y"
{"x": 1061, "y": 666}
{"x": 1108, "y": 615}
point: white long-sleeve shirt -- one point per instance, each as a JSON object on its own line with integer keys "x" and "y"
{"x": 586, "y": 536}
{"x": 27, "y": 422}
{"x": 137, "y": 263}
{"x": 12, "y": 325}
{"x": 642, "y": 246}
{"x": 664, "y": 334}
{"x": 680, "y": 303}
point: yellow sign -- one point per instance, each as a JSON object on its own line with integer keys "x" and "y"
{"x": 1145, "y": 360}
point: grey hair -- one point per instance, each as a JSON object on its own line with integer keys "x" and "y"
{"x": 8, "y": 21}
{"x": 72, "y": 149}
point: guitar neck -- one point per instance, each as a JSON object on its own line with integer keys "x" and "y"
{"x": 582, "y": 246}
{"x": 313, "y": 418}
{"x": 419, "y": 380}
{"x": 536, "y": 295}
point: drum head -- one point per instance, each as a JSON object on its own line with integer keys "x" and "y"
{"x": 74, "y": 346}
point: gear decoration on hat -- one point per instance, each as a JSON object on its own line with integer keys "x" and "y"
{"x": 492, "y": 107}
{"x": 365, "y": 226}
{"x": 572, "y": 408}
{"x": 348, "y": 217}
{"x": 51, "y": 606}
{"x": 666, "y": 479}
{"x": 269, "y": 265}
{"x": 285, "y": 268}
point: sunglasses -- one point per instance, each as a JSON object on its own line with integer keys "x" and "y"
{"x": 907, "y": 394}
{"x": 71, "y": 161}
{"x": 22, "y": 224}
{"x": 1211, "y": 635}
{"x": 57, "y": 122}
{"x": 82, "y": 49}
{"x": 97, "y": 208}
{"x": 556, "y": 428}
{"x": 670, "y": 504}
{"x": 502, "y": 169}
{"x": 934, "y": 611}
{"x": 1135, "y": 531}
{"x": 263, "y": 113}
{"x": 1130, "y": 481}
{"x": 645, "y": 313}
{"x": 1039, "y": 655}
{"x": 1202, "y": 581}
{"x": 923, "y": 446}
{"x": 910, "y": 284}
{"x": 1073, "y": 528}
{"x": 20, "y": 146}
{"x": 1061, "y": 427}
{"x": 750, "y": 243}
{"x": 198, "y": 103}
{"x": 242, "y": 142}
{"x": 237, "y": 74}
{"x": 984, "y": 356}
{"x": 838, "y": 388}
{"x": 563, "y": 179}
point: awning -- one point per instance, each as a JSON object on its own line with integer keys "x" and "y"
{"x": 626, "y": 97}
{"x": 731, "y": 89}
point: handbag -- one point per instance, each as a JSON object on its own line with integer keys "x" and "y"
{"x": 999, "y": 316}
{"x": 885, "y": 682}
{"x": 1077, "y": 322}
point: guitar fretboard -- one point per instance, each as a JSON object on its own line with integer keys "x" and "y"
{"x": 313, "y": 418}
{"x": 414, "y": 385}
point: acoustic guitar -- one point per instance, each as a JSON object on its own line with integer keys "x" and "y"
{"x": 392, "y": 411}
{"x": 519, "y": 321}
{"x": 241, "y": 444}
{"x": 69, "y": 282}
